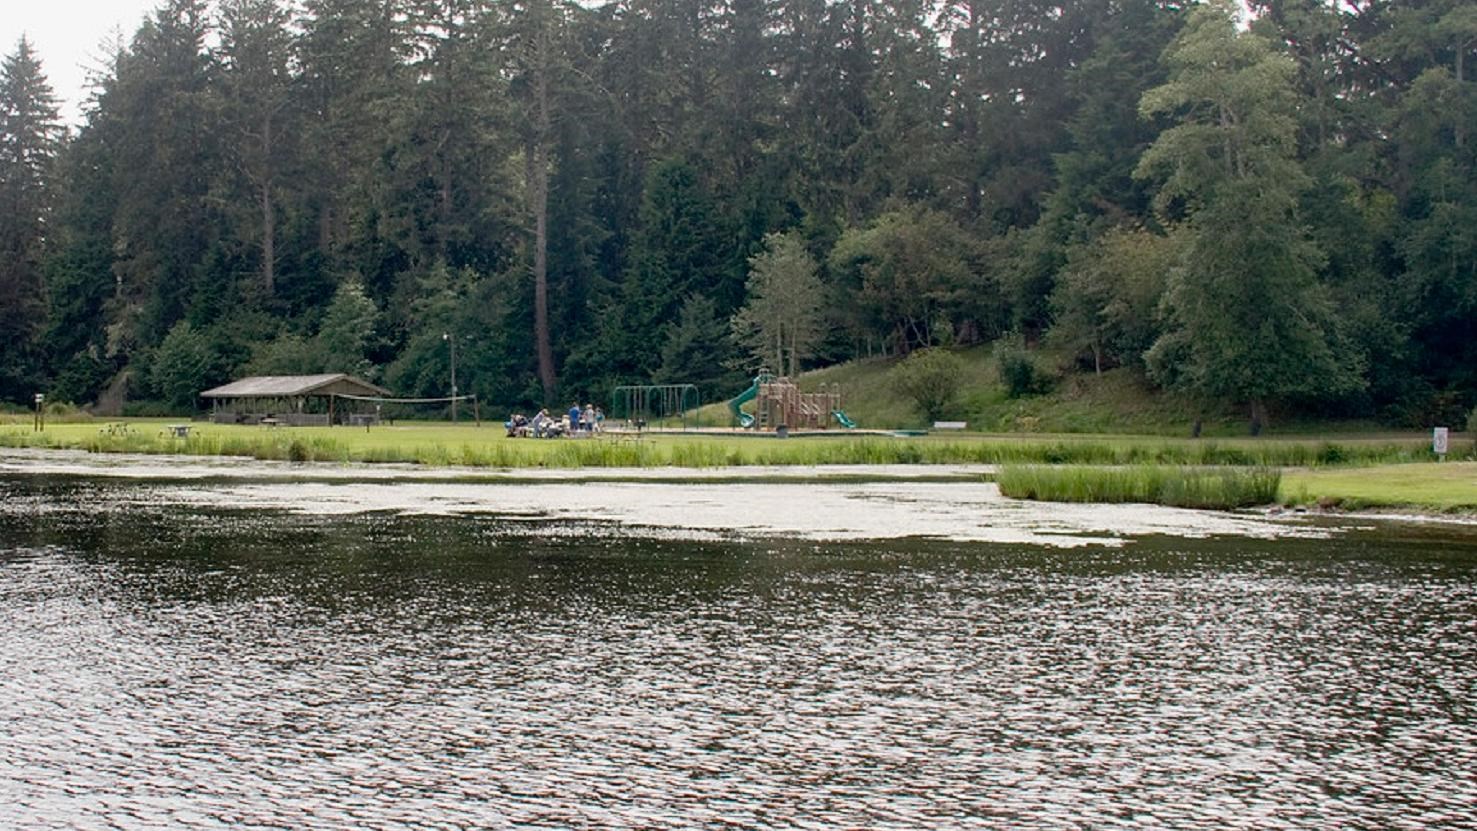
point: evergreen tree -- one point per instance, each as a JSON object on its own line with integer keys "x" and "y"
{"x": 696, "y": 349}
{"x": 677, "y": 252}
{"x": 30, "y": 137}
{"x": 256, "y": 104}
{"x": 782, "y": 321}
{"x": 344, "y": 337}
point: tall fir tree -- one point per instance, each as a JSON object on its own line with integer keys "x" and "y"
{"x": 30, "y": 138}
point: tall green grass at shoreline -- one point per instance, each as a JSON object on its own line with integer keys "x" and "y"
{"x": 455, "y": 445}
{"x": 1181, "y": 487}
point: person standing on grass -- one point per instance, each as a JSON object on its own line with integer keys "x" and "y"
{"x": 574, "y": 418}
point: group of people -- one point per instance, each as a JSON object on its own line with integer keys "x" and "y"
{"x": 586, "y": 421}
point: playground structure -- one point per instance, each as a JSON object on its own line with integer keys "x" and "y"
{"x": 779, "y": 403}
{"x": 642, "y": 405}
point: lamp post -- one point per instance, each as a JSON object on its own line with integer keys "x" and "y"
{"x": 40, "y": 423}
{"x": 446, "y": 336}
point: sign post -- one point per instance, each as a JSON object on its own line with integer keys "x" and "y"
{"x": 40, "y": 422}
{"x": 1440, "y": 441}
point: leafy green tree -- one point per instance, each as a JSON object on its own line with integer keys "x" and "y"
{"x": 931, "y": 378}
{"x": 1019, "y": 373}
{"x": 287, "y": 354}
{"x": 159, "y": 109}
{"x": 911, "y": 274}
{"x": 1248, "y": 319}
{"x": 30, "y": 137}
{"x": 1106, "y": 299}
{"x": 782, "y": 321}
{"x": 355, "y": 59}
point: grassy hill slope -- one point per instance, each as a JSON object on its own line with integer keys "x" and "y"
{"x": 1118, "y": 401}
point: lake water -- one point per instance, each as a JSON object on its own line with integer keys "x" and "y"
{"x": 246, "y": 652}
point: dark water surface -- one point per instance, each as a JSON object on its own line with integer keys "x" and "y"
{"x": 189, "y": 666}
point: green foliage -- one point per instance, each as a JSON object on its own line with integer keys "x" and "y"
{"x": 912, "y": 274}
{"x": 696, "y": 348}
{"x": 1179, "y": 487}
{"x": 1107, "y": 298}
{"x": 931, "y": 378}
{"x": 185, "y": 364}
{"x": 288, "y": 354}
{"x": 30, "y": 134}
{"x": 780, "y": 324}
{"x": 1248, "y": 319}
{"x": 344, "y": 337}
{"x": 1019, "y": 374}
{"x": 556, "y": 182}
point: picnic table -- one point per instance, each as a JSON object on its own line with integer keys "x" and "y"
{"x": 179, "y": 431}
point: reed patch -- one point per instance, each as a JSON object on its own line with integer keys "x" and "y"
{"x": 1181, "y": 487}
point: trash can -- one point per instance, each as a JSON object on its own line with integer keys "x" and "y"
{"x": 782, "y": 431}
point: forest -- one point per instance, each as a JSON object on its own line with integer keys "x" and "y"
{"x": 1262, "y": 206}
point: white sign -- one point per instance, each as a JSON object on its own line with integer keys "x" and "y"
{"x": 1439, "y": 440}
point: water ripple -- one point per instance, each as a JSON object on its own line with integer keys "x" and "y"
{"x": 198, "y": 669}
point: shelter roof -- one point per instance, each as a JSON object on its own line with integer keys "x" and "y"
{"x": 287, "y": 386}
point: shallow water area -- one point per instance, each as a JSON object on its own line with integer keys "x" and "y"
{"x": 255, "y": 651}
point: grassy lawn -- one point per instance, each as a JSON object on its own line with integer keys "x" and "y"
{"x": 1361, "y": 470}
{"x": 1444, "y": 487}
{"x": 434, "y": 443}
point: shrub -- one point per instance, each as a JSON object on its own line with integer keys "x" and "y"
{"x": 931, "y": 378}
{"x": 1018, "y": 371}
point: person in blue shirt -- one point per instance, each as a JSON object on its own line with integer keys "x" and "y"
{"x": 574, "y": 418}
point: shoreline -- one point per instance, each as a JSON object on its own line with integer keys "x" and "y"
{"x": 1356, "y": 495}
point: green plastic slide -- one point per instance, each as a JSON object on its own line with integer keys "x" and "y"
{"x": 746, "y": 420}
{"x": 843, "y": 419}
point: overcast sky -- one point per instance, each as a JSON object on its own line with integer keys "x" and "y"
{"x": 66, "y": 35}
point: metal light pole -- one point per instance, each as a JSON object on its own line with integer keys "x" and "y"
{"x": 446, "y": 336}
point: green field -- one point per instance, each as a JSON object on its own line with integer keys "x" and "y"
{"x": 434, "y": 443}
{"x": 1447, "y": 487}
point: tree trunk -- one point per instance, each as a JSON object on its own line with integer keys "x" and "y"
{"x": 1258, "y": 416}
{"x": 269, "y": 218}
{"x": 538, "y": 175}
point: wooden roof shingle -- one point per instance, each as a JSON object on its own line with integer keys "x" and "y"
{"x": 289, "y": 386}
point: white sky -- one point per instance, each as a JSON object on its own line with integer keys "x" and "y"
{"x": 66, "y": 35}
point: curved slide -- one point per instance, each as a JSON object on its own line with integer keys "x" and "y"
{"x": 843, "y": 419}
{"x": 744, "y": 419}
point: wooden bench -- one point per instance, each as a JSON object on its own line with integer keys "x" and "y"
{"x": 950, "y": 425}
